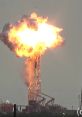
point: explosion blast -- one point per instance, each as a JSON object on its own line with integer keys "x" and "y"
{"x": 30, "y": 37}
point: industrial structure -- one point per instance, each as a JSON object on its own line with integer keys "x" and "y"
{"x": 34, "y": 85}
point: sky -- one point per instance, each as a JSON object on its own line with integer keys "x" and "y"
{"x": 61, "y": 68}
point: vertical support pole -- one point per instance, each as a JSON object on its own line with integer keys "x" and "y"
{"x": 14, "y": 110}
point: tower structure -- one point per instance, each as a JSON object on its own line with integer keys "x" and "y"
{"x": 34, "y": 82}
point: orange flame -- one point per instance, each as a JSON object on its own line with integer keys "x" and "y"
{"x": 32, "y": 36}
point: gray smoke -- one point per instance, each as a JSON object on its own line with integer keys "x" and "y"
{"x": 4, "y": 36}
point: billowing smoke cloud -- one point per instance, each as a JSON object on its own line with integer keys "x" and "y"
{"x": 31, "y": 36}
{"x": 4, "y": 36}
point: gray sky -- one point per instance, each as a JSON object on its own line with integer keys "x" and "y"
{"x": 61, "y": 68}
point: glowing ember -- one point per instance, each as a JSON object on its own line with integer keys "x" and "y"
{"x": 32, "y": 36}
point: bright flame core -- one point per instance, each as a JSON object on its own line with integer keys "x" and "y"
{"x": 32, "y": 36}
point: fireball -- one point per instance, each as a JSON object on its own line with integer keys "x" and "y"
{"x": 32, "y": 36}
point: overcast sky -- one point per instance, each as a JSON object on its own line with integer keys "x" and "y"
{"x": 61, "y": 68}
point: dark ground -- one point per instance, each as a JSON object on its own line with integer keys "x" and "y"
{"x": 37, "y": 114}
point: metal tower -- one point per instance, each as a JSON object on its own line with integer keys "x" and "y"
{"x": 33, "y": 79}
